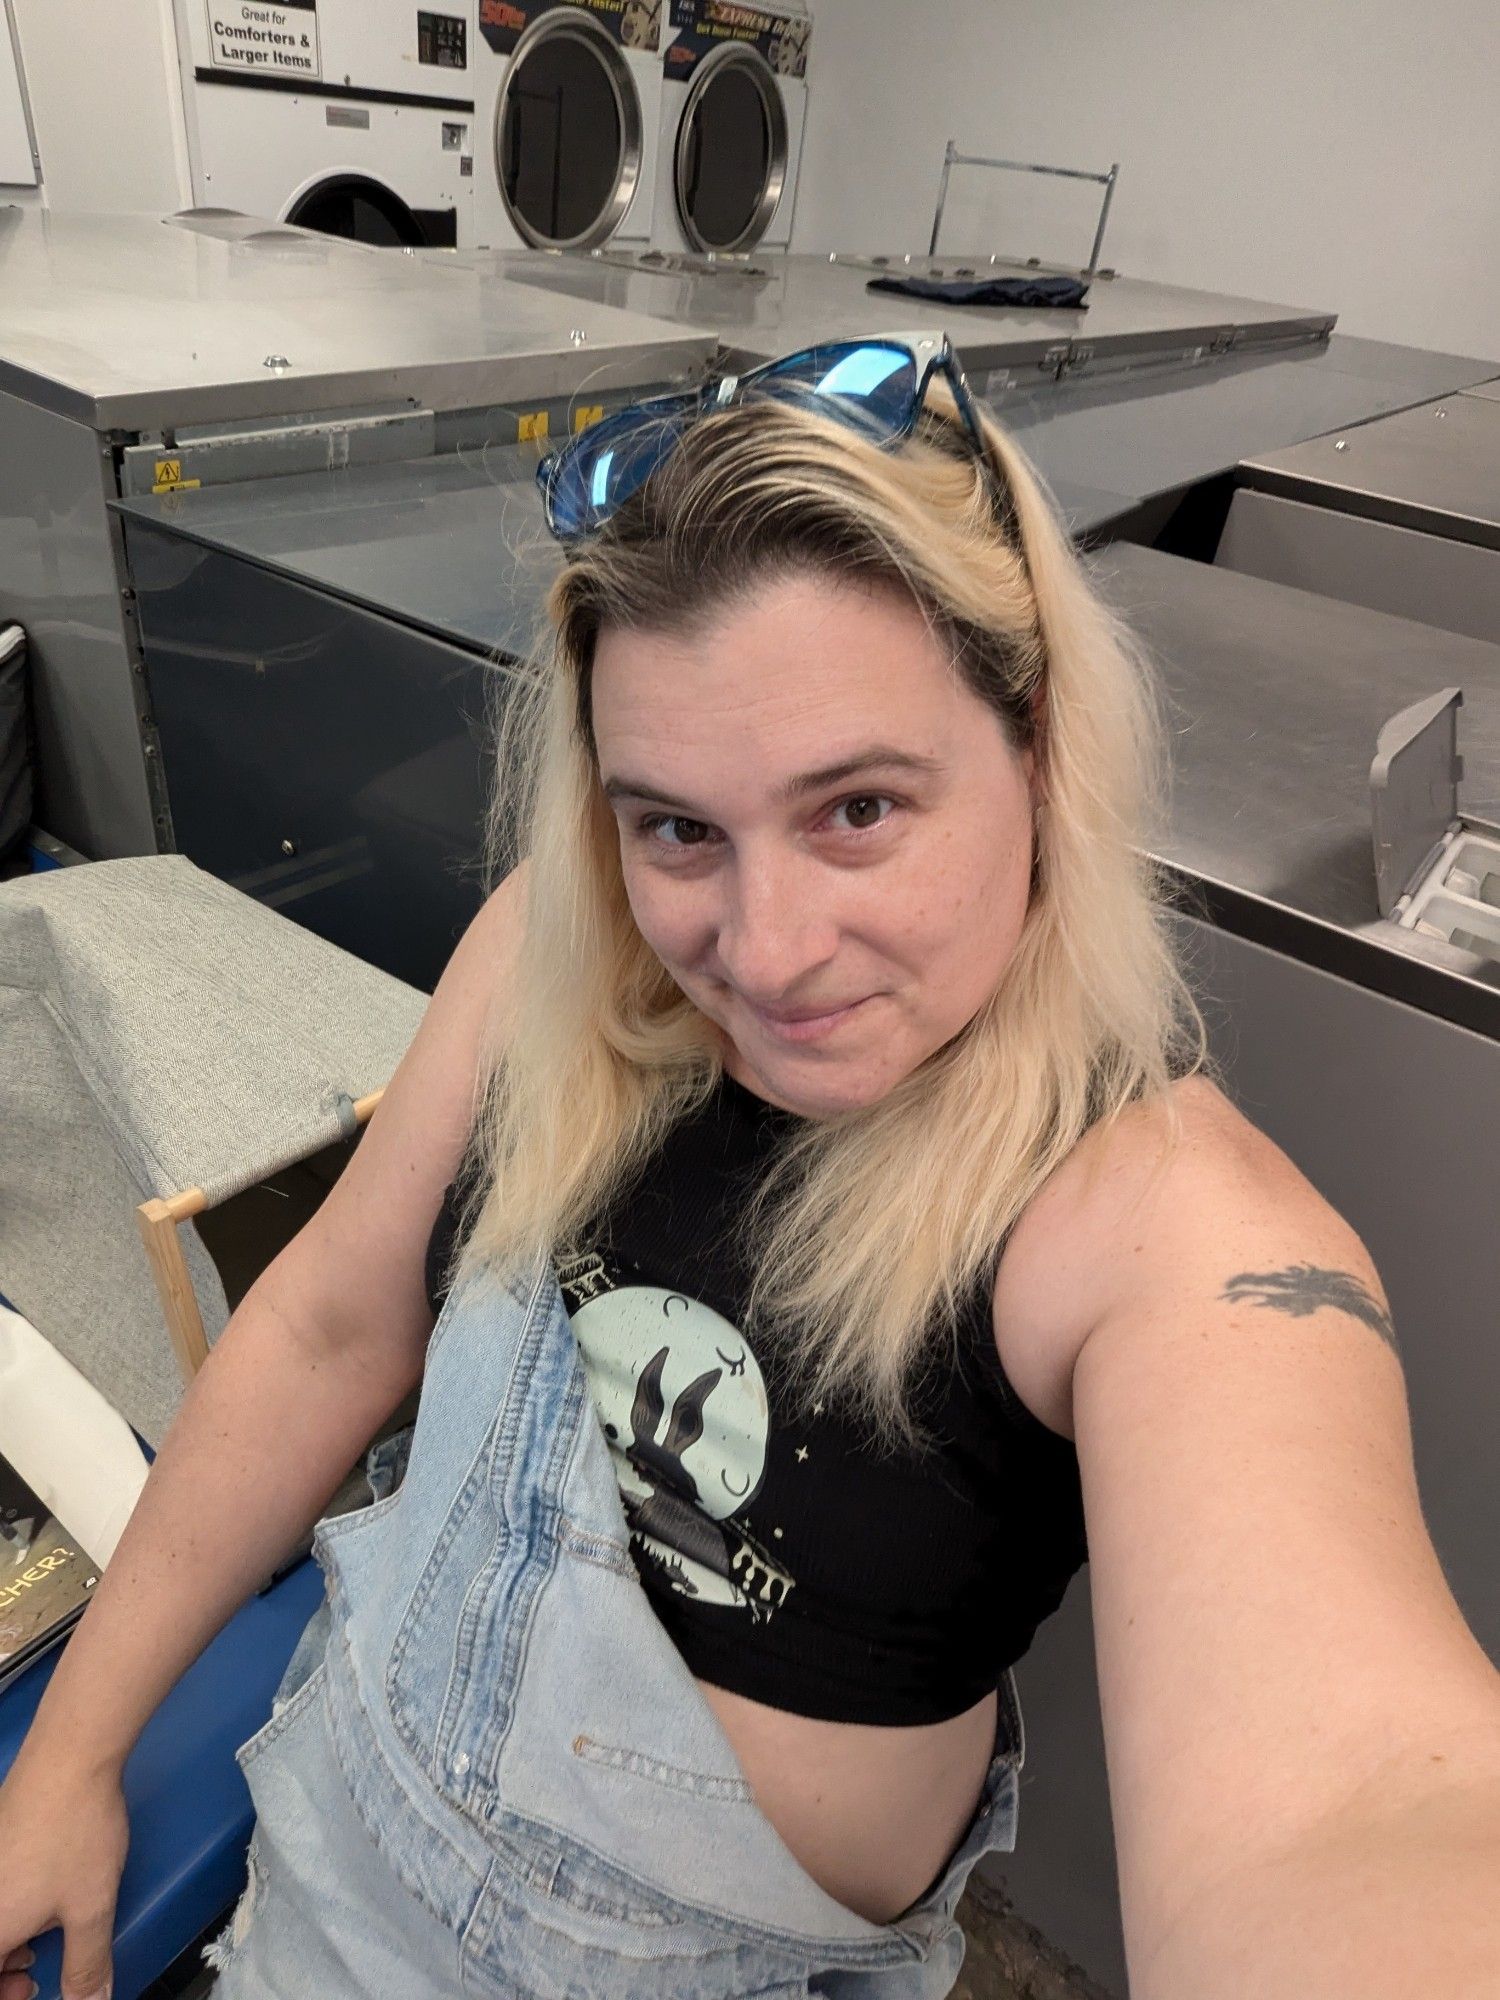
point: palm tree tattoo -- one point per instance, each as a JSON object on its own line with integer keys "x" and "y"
{"x": 1305, "y": 1288}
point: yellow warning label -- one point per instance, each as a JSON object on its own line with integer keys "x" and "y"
{"x": 589, "y": 414}
{"x": 533, "y": 425}
{"x": 169, "y": 477}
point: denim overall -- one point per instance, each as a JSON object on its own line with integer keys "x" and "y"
{"x": 488, "y": 1770}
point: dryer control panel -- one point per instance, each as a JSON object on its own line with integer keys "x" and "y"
{"x": 443, "y": 40}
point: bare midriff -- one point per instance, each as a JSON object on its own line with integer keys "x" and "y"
{"x": 872, "y": 1813}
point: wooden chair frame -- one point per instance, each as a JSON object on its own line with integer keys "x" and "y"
{"x": 158, "y": 1223}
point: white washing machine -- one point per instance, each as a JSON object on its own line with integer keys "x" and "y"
{"x": 567, "y": 122}
{"x": 734, "y": 105}
{"x": 351, "y": 116}
{"x": 354, "y": 117}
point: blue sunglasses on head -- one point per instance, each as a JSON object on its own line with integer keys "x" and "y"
{"x": 875, "y": 386}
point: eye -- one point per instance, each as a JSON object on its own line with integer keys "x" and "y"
{"x": 683, "y": 832}
{"x": 865, "y": 811}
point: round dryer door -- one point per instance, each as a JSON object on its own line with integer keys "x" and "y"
{"x": 567, "y": 133}
{"x": 353, "y": 206}
{"x": 731, "y": 150}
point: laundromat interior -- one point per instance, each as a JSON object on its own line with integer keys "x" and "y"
{"x": 295, "y": 295}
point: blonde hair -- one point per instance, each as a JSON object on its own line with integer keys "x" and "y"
{"x": 877, "y": 1221}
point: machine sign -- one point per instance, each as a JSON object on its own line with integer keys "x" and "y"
{"x": 265, "y": 37}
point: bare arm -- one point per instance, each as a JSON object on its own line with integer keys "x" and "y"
{"x": 1303, "y": 1736}
{"x": 321, "y": 1350}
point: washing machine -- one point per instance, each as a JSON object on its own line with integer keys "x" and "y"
{"x": 734, "y": 105}
{"x": 567, "y": 122}
{"x": 353, "y": 117}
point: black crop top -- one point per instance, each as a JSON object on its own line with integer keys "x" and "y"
{"x": 790, "y": 1562}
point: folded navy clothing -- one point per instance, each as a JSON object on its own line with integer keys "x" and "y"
{"x": 988, "y": 291}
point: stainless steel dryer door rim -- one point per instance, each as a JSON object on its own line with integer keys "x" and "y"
{"x": 572, "y": 24}
{"x": 741, "y": 56}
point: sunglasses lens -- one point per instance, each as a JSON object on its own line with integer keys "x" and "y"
{"x": 873, "y": 383}
{"x": 605, "y": 464}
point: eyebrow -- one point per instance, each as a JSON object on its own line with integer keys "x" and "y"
{"x": 879, "y": 757}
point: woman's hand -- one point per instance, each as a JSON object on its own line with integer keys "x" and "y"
{"x": 63, "y": 1839}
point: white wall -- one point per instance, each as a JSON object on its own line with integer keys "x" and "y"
{"x": 1342, "y": 154}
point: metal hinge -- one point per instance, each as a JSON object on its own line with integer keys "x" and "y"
{"x": 192, "y": 458}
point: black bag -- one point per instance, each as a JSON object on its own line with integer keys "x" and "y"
{"x": 15, "y": 744}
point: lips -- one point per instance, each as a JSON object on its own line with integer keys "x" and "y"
{"x": 802, "y": 1025}
{"x": 785, "y": 1017}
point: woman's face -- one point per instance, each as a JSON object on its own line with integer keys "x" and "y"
{"x": 826, "y": 837}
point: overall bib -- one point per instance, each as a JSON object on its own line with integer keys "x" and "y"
{"x": 488, "y": 1770}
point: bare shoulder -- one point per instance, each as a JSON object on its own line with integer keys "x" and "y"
{"x": 1139, "y": 1192}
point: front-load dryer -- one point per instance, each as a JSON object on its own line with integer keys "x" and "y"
{"x": 354, "y": 117}
{"x": 734, "y": 105}
{"x": 568, "y": 119}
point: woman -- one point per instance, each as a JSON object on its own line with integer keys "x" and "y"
{"x": 842, "y": 1224}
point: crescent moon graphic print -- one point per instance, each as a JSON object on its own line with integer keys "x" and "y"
{"x": 684, "y": 1406}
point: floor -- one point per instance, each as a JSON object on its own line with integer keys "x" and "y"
{"x": 1007, "y": 1959}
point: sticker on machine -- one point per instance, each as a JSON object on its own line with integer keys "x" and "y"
{"x": 701, "y": 26}
{"x": 634, "y": 24}
{"x": 265, "y": 37}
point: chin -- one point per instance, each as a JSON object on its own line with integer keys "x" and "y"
{"x": 817, "y": 1092}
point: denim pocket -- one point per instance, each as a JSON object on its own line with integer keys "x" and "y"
{"x": 702, "y": 1784}
{"x": 330, "y": 1527}
{"x": 386, "y": 1462}
{"x": 556, "y": 1870}
{"x": 284, "y": 1714}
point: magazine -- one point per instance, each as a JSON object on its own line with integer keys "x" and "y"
{"x": 46, "y": 1575}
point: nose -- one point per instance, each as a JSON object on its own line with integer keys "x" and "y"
{"x": 776, "y": 930}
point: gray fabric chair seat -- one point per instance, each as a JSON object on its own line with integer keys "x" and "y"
{"x": 160, "y": 1030}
